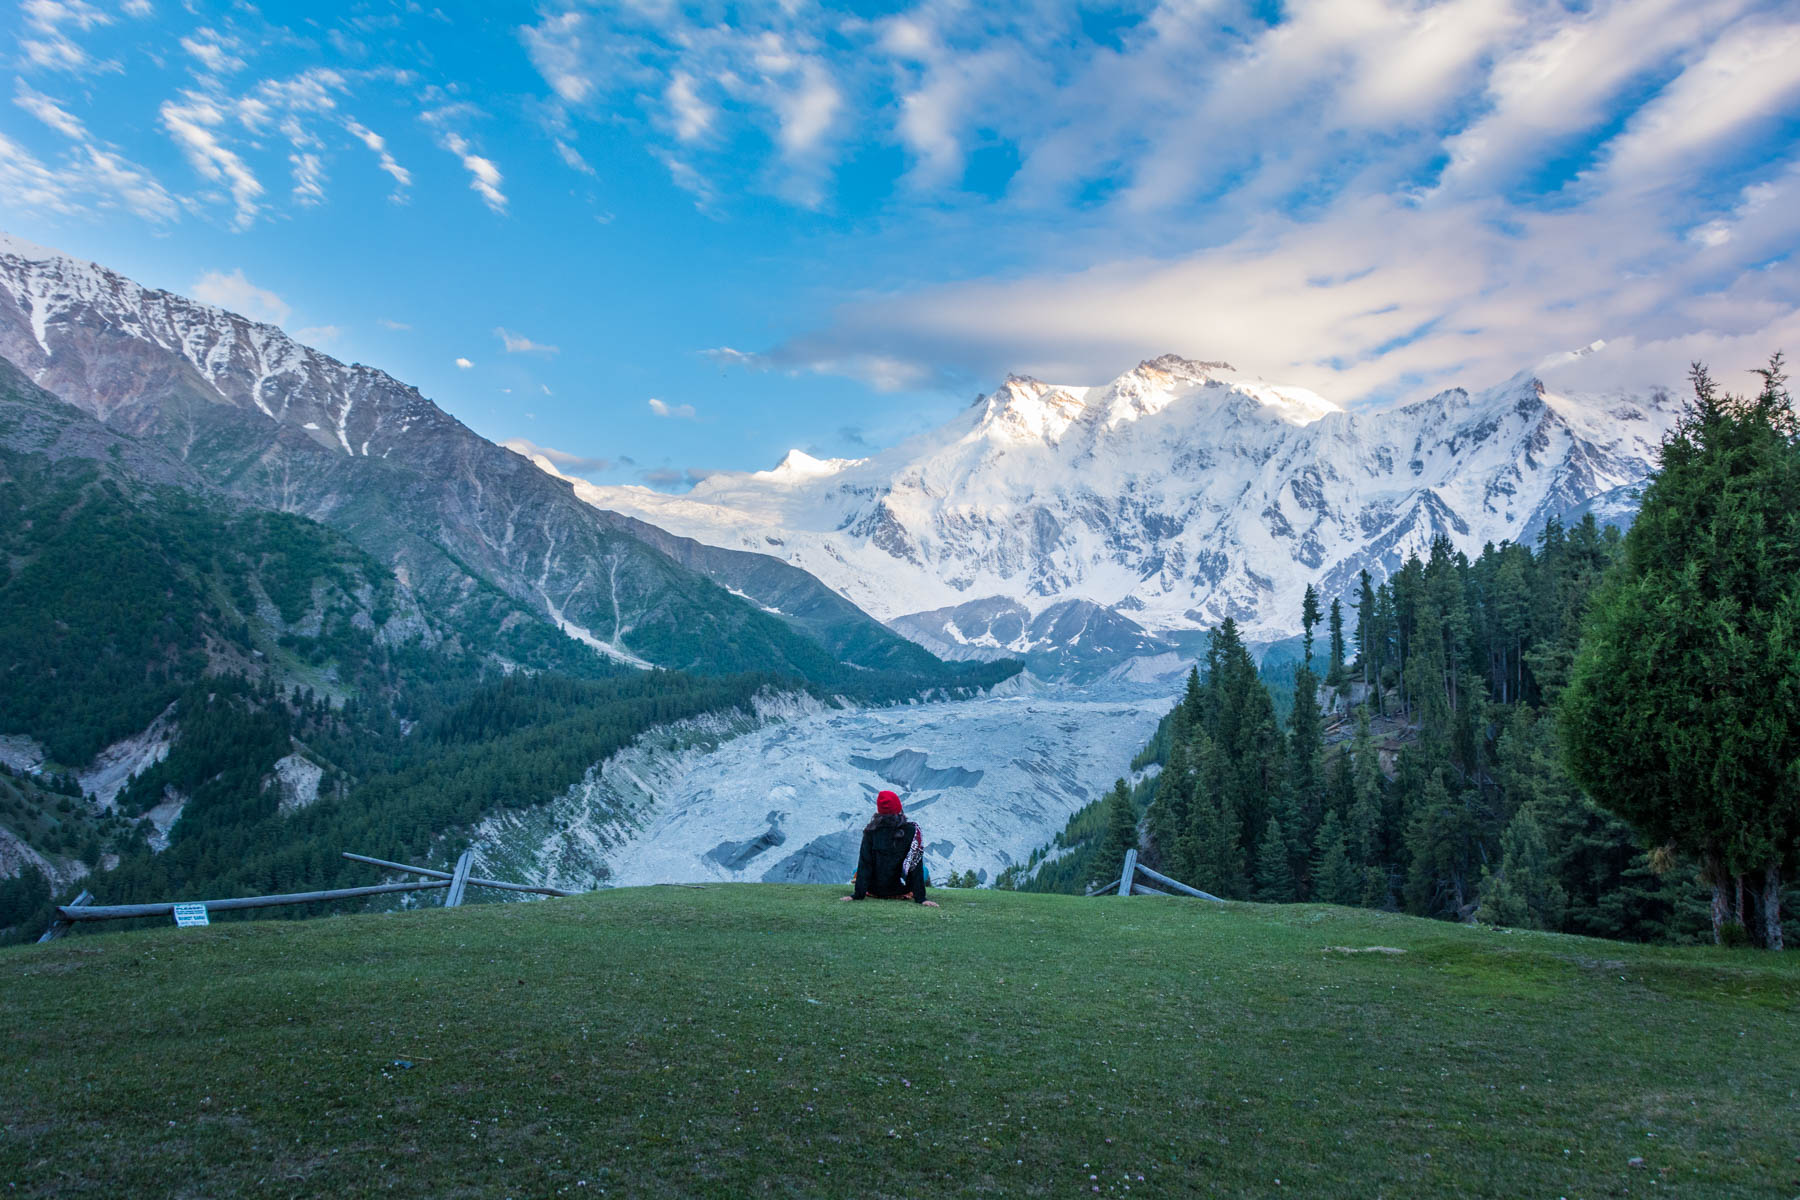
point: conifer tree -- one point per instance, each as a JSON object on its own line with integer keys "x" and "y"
{"x": 1335, "y": 879}
{"x": 1309, "y": 619}
{"x": 1306, "y": 746}
{"x": 1121, "y": 833}
{"x": 1335, "y": 676}
{"x": 1218, "y": 849}
{"x": 1366, "y": 809}
{"x": 1440, "y": 839}
{"x": 1170, "y": 817}
{"x": 1274, "y": 873}
{"x": 1365, "y": 627}
{"x": 1523, "y": 893}
{"x": 1681, "y": 712}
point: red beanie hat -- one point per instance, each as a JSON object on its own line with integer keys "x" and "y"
{"x": 887, "y": 802}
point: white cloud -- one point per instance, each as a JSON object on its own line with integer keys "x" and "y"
{"x": 394, "y": 325}
{"x": 137, "y": 8}
{"x": 314, "y": 335}
{"x": 464, "y": 363}
{"x": 516, "y": 343}
{"x": 89, "y": 177}
{"x": 193, "y": 123}
{"x": 559, "y": 462}
{"x": 484, "y": 176}
{"x": 378, "y": 146}
{"x": 52, "y": 48}
{"x": 28, "y": 185}
{"x": 572, "y": 157}
{"x": 683, "y": 412}
{"x": 556, "y": 47}
{"x": 309, "y": 179}
{"x": 215, "y": 52}
{"x": 237, "y": 294}
{"x": 689, "y": 116}
{"x": 1750, "y": 75}
{"x": 49, "y": 112}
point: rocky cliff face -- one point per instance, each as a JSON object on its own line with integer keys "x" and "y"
{"x": 1177, "y": 495}
{"x": 280, "y": 425}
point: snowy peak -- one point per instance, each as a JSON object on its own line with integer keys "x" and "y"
{"x": 1178, "y": 494}
{"x": 800, "y": 467}
{"x": 1028, "y": 410}
{"x": 72, "y": 307}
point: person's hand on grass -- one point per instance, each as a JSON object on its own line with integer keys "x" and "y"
{"x": 846, "y": 899}
{"x": 928, "y": 904}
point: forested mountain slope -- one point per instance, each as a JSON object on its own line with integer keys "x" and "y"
{"x": 204, "y": 696}
{"x": 285, "y": 427}
{"x": 1423, "y": 771}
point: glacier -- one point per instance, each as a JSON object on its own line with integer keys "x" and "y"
{"x": 781, "y": 794}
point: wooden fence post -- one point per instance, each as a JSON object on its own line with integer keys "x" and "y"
{"x": 62, "y": 925}
{"x": 1128, "y": 872}
{"x": 459, "y": 882}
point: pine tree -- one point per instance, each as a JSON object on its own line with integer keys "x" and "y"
{"x": 1335, "y": 676}
{"x": 1440, "y": 840}
{"x": 1309, "y": 619}
{"x": 1218, "y": 849}
{"x": 1366, "y": 819}
{"x": 1274, "y": 873}
{"x": 1681, "y": 714}
{"x": 1336, "y": 880}
{"x": 1121, "y": 833}
{"x": 1306, "y": 746}
{"x": 1366, "y": 635}
{"x": 1524, "y": 893}
{"x": 1170, "y": 817}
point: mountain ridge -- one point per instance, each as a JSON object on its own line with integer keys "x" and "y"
{"x": 287, "y": 427}
{"x": 1176, "y": 495}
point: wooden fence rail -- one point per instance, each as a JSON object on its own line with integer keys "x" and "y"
{"x": 447, "y": 875}
{"x": 452, "y": 883}
{"x": 1128, "y": 884}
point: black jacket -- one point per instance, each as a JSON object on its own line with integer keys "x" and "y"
{"x": 880, "y": 868}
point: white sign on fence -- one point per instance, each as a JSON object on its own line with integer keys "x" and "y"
{"x": 190, "y": 914}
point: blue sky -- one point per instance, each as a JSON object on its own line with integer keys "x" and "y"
{"x": 669, "y": 238}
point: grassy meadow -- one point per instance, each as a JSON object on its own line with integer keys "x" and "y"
{"x": 752, "y": 1040}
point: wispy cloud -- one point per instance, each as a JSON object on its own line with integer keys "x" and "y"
{"x": 565, "y": 462}
{"x": 215, "y": 52}
{"x": 682, "y": 412}
{"x": 378, "y": 146}
{"x": 1370, "y": 199}
{"x": 463, "y": 364}
{"x": 484, "y": 177}
{"x": 49, "y": 45}
{"x": 518, "y": 343}
{"x": 195, "y": 123}
{"x": 237, "y": 294}
{"x": 673, "y": 478}
{"x": 385, "y": 323}
{"x": 49, "y": 112}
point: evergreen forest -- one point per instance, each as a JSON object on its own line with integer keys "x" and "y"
{"x": 1594, "y": 734}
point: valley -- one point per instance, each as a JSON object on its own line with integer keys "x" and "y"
{"x": 782, "y": 797}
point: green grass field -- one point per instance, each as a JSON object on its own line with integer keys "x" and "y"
{"x": 767, "y": 1040}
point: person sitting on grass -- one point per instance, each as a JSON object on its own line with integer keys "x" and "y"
{"x": 892, "y": 863}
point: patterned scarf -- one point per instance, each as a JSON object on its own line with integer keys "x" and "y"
{"x": 914, "y": 853}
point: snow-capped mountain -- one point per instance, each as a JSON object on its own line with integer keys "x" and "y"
{"x": 475, "y": 528}
{"x": 1179, "y": 494}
